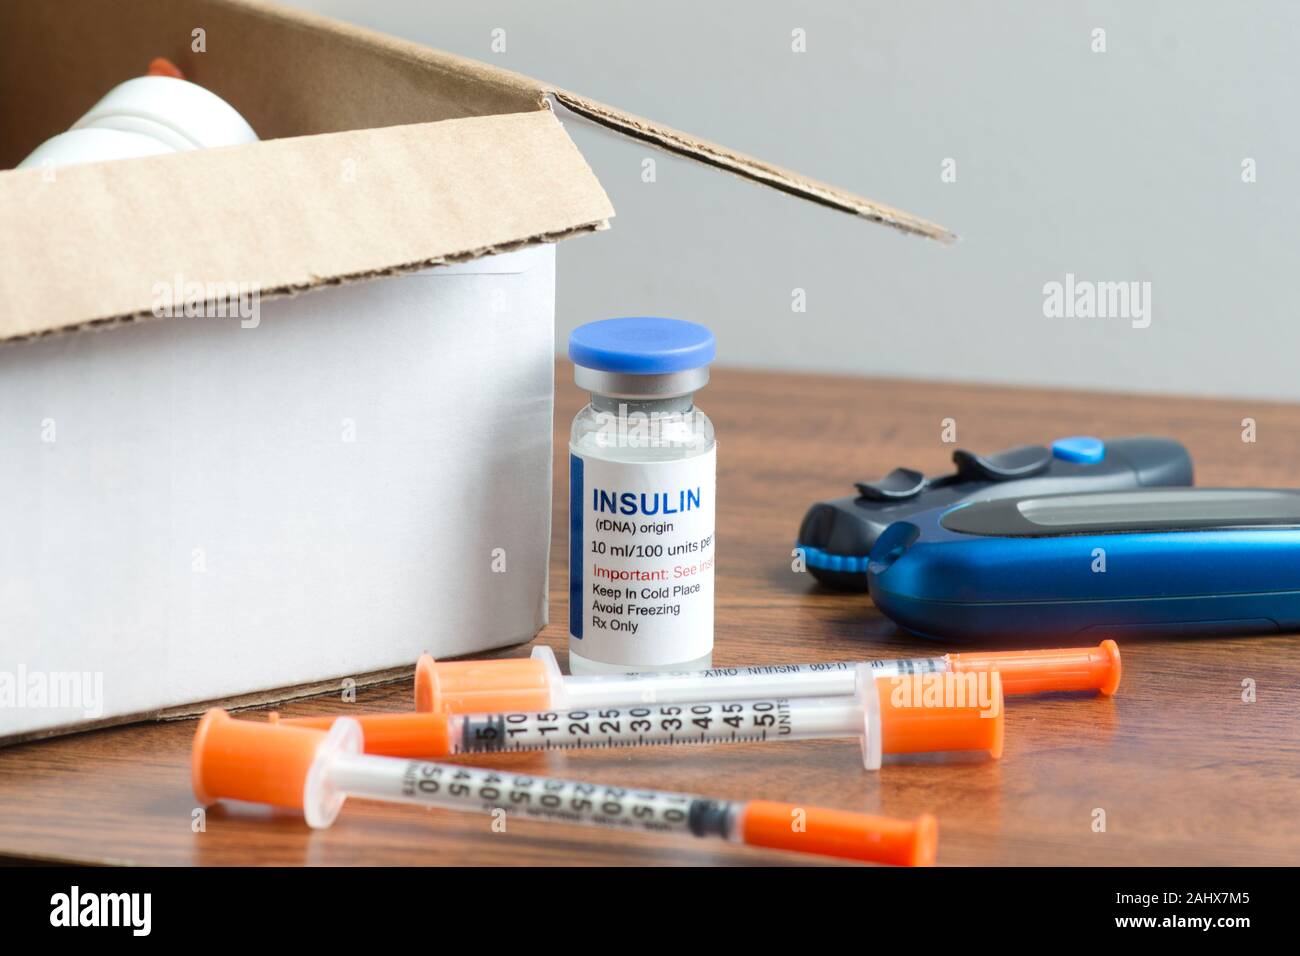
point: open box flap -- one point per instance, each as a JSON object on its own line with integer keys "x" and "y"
{"x": 107, "y": 242}
{"x": 380, "y": 156}
{"x": 748, "y": 167}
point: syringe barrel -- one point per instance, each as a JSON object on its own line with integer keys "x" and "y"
{"x": 719, "y": 683}
{"x": 703, "y": 722}
{"x": 751, "y": 682}
{"x": 453, "y": 787}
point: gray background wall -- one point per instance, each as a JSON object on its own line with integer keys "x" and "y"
{"x": 1115, "y": 166}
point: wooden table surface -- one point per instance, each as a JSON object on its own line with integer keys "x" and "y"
{"x": 1185, "y": 770}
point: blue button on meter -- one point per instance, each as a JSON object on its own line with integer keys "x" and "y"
{"x": 1083, "y": 449}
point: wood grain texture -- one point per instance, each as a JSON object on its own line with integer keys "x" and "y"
{"x": 1186, "y": 772}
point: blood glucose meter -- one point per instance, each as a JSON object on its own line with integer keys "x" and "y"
{"x": 836, "y": 536}
{"x": 1121, "y": 563}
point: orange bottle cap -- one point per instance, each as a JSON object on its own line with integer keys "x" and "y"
{"x": 483, "y": 687}
{"x": 416, "y": 736}
{"x": 841, "y": 833}
{"x": 270, "y": 762}
{"x": 161, "y": 66}
{"x": 1055, "y": 669}
{"x": 934, "y": 713}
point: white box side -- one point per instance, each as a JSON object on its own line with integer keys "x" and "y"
{"x": 196, "y": 510}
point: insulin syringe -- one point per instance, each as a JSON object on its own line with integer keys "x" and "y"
{"x": 316, "y": 770}
{"x": 928, "y": 713}
{"x": 536, "y": 683}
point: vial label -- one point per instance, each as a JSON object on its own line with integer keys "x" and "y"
{"x": 641, "y": 554}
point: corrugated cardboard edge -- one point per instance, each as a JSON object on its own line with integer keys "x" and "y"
{"x": 750, "y": 168}
{"x": 291, "y": 291}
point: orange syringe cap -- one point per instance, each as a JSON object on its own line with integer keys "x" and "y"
{"x": 1051, "y": 669}
{"x": 935, "y": 713}
{"x": 271, "y": 762}
{"x": 251, "y": 760}
{"x": 482, "y": 687}
{"x": 841, "y": 833}
{"x": 414, "y": 736}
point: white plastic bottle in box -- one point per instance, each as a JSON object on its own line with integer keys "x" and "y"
{"x": 642, "y": 465}
{"x": 146, "y": 116}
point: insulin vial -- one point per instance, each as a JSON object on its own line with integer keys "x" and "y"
{"x": 642, "y": 465}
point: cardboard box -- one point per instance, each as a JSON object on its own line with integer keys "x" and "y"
{"x": 252, "y": 507}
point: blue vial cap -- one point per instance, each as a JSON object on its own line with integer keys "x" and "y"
{"x": 642, "y": 345}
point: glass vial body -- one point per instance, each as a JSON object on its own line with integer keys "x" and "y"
{"x": 642, "y": 479}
